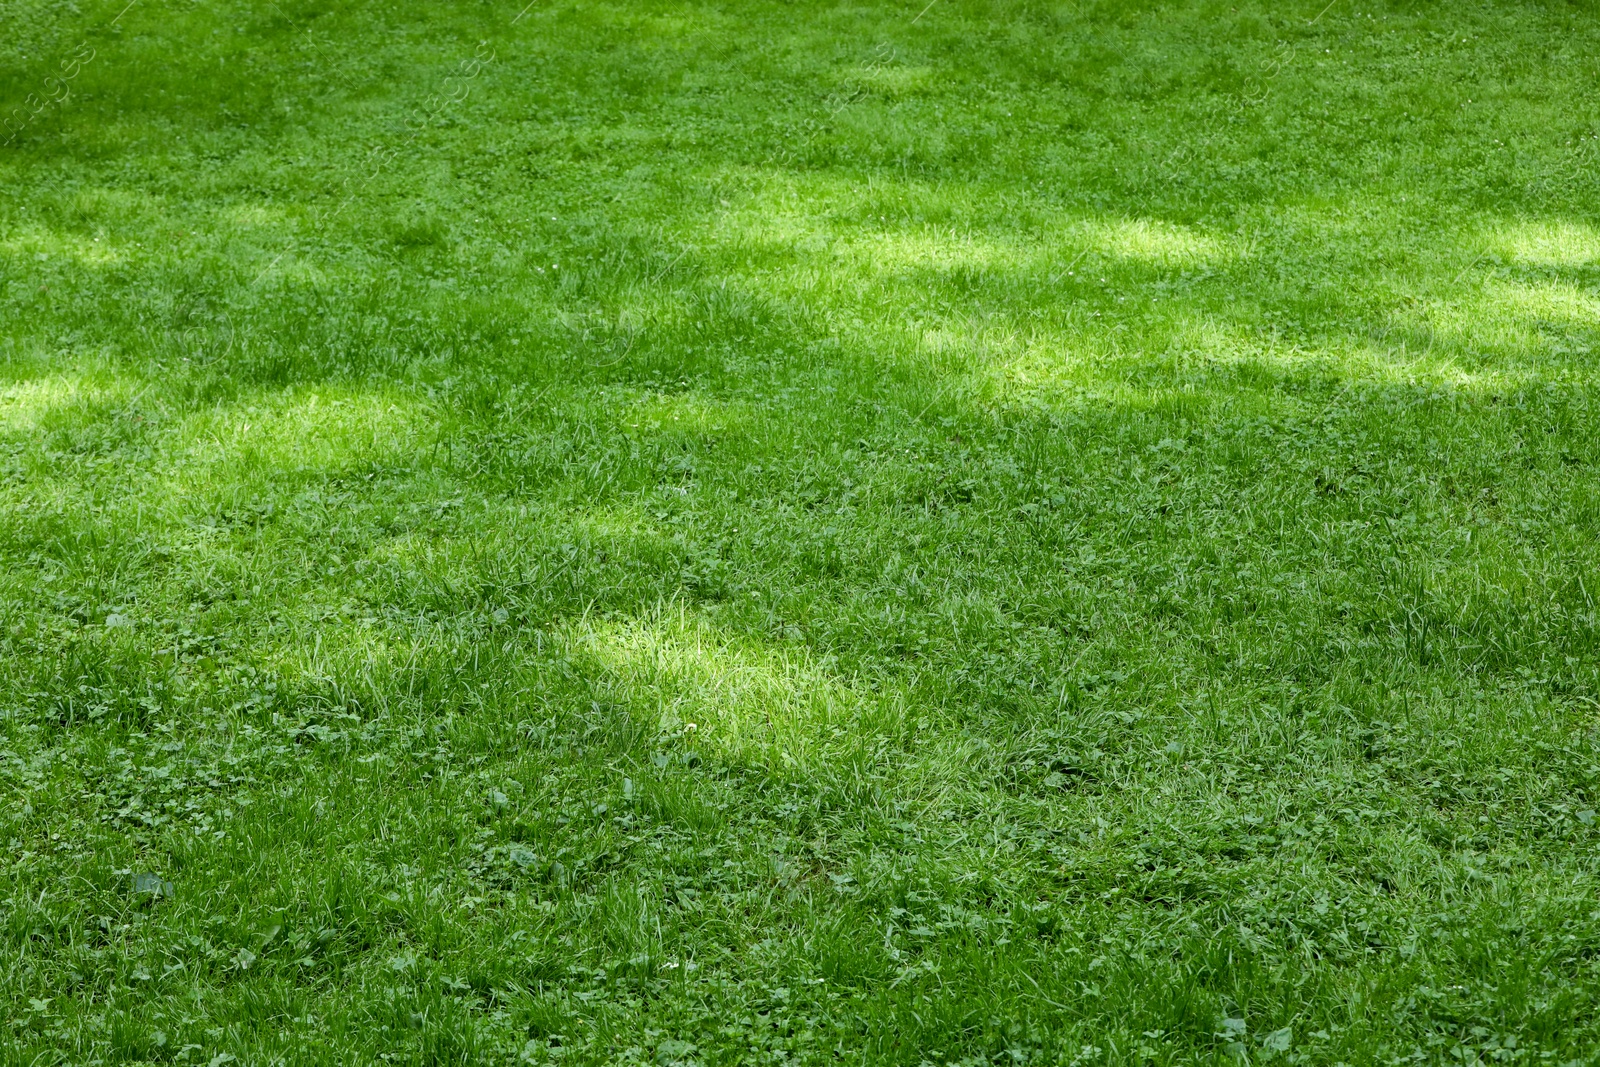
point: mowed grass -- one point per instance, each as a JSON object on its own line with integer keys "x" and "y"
{"x": 1025, "y": 533}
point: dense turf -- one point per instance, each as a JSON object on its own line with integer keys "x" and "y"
{"x": 761, "y": 532}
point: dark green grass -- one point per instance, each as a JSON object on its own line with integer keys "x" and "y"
{"x": 750, "y": 533}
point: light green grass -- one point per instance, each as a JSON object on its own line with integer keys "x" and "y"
{"x": 795, "y": 532}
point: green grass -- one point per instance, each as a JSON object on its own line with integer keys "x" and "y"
{"x": 1038, "y": 533}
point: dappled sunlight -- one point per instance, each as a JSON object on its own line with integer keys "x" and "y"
{"x": 930, "y": 249}
{"x": 768, "y": 705}
{"x": 892, "y": 227}
{"x": 252, "y": 216}
{"x": 91, "y": 229}
{"x": 1186, "y": 350}
{"x": 872, "y": 533}
{"x": 1204, "y": 341}
{"x": 45, "y": 248}
{"x": 302, "y": 431}
{"x": 1561, "y": 243}
{"x": 294, "y": 266}
{"x": 894, "y": 79}
{"x": 1151, "y": 241}
{"x": 1142, "y": 242}
{"x": 248, "y": 453}
{"x": 25, "y": 406}
{"x": 1542, "y": 304}
{"x": 1507, "y": 326}
{"x": 690, "y": 412}
{"x": 1091, "y": 242}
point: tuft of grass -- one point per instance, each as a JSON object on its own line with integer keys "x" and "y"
{"x": 701, "y": 534}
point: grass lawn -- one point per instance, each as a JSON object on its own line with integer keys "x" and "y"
{"x": 1007, "y": 532}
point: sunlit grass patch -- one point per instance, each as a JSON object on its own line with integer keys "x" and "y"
{"x": 1498, "y": 325}
{"x": 893, "y": 252}
{"x": 767, "y": 706}
{"x": 314, "y": 430}
{"x": 1547, "y": 242}
{"x": 29, "y": 405}
{"x": 1155, "y": 243}
{"x": 52, "y": 247}
{"x": 896, "y": 79}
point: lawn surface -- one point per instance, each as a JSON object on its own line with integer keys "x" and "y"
{"x": 1029, "y": 533}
